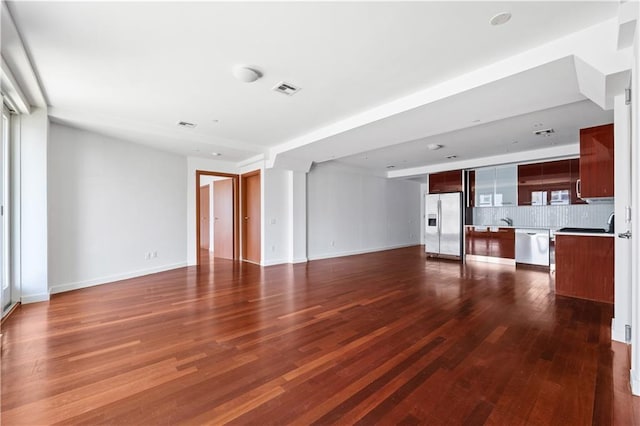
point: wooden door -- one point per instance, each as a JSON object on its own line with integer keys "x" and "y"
{"x": 251, "y": 217}
{"x": 205, "y": 217}
{"x": 223, "y": 218}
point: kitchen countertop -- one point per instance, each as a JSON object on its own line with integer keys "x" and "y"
{"x": 552, "y": 230}
{"x": 587, "y": 234}
{"x": 513, "y": 227}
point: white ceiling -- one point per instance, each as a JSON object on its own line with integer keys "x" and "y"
{"x": 513, "y": 134}
{"x": 134, "y": 69}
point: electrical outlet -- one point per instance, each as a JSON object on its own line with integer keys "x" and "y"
{"x": 147, "y": 255}
{"x": 155, "y": 254}
{"x": 333, "y": 243}
{"x": 273, "y": 248}
{"x": 273, "y": 221}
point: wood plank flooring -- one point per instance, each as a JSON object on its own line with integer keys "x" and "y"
{"x": 381, "y": 338}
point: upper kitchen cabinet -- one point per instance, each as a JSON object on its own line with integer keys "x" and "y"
{"x": 485, "y": 181}
{"x": 496, "y": 186}
{"x": 506, "y": 193}
{"x": 450, "y": 181}
{"x": 596, "y": 162}
{"x": 529, "y": 183}
{"x": 549, "y": 183}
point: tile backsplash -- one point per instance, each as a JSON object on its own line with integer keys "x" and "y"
{"x": 578, "y": 215}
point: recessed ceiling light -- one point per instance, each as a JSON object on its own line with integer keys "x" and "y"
{"x": 216, "y": 154}
{"x": 451, "y": 157}
{"x": 434, "y": 146}
{"x": 246, "y": 74}
{"x": 476, "y": 121}
{"x": 514, "y": 142}
{"x": 390, "y": 166}
{"x": 500, "y": 18}
{"x": 215, "y": 121}
{"x": 186, "y": 124}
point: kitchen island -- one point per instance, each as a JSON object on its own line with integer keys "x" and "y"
{"x": 585, "y": 265}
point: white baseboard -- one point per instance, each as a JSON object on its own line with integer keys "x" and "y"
{"x": 617, "y": 331}
{"x": 274, "y": 262}
{"x": 33, "y": 298}
{"x": 284, "y": 261}
{"x": 635, "y": 382}
{"x": 59, "y": 288}
{"x": 355, "y": 252}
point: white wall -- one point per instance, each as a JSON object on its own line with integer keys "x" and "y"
{"x": 277, "y": 218}
{"x": 349, "y": 212}
{"x": 34, "y": 130}
{"x": 110, "y": 203}
{"x": 298, "y": 212}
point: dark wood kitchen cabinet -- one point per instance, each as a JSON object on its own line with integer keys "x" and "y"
{"x": 555, "y": 178}
{"x": 575, "y": 175}
{"x": 529, "y": 181}
{"x": 596, "y": 162}
{"x": 450, "y": 181}
{"x": 490, "y": 241}
{"x": 585, "y": 267}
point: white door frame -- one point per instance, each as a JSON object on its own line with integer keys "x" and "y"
{"x": 6, "y": 300}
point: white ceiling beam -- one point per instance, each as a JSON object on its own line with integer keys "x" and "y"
{"x": 11, "y": 90}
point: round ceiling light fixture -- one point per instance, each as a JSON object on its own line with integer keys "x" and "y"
{"x": 500, "y": 18}
{"x": 246, "y": 74}
{"x": 434, "y": 146}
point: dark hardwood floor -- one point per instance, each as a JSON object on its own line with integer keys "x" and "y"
{"x": 382, "y": 338}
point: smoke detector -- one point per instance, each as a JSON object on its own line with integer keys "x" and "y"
{"x": 544, "y": 133}
{"x": 500, "y": 18}
{"x": 434, "y": 146}
{"x": 246, "y": 74}
{"x": 286, "y": 88}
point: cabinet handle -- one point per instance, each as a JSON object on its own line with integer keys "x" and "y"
{"x": 578, "y": 189}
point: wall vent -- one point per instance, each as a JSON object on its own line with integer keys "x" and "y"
{"x": 186, "y": 124}
{"x": 286, "y": 88}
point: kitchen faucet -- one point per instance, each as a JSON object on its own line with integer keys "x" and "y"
{"x": 507, "y": 220}
{"x": 611, "y": 222}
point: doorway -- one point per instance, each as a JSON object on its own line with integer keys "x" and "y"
{"x": 251, "y": 217}
{"x": 217, "y": 227}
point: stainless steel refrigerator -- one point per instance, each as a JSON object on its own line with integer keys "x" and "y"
{"x": 443, "y": 222}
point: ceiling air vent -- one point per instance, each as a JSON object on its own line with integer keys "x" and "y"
{"x": 286, "y": 88}
{"x": 186, "y": 124}
{"x": 545, "y": 132}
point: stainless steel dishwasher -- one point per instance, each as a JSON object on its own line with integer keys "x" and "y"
{"x": 532, "y": 246}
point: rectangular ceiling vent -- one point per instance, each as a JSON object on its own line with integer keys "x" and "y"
{"x": 286, "y": 88}
{"x": 186, "y": 124}
{"x": 545, "y": 132}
